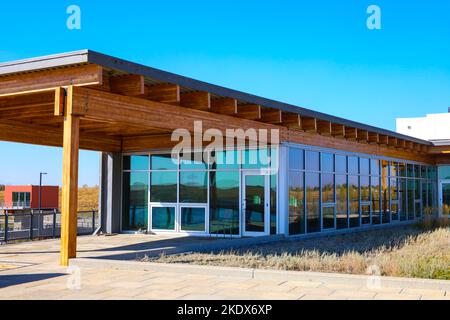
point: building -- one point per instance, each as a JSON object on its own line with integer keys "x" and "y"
{"x": 432, "y": 127}
{"x": 319, "y": 174}
{"x": 436, "y": 129}
{"x": 26, "y": 198}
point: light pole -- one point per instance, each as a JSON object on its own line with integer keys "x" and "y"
{"x": 40, "y": 187}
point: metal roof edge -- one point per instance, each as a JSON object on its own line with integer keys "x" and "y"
{"x": 157, "y": 74}
{"x": 44, "y": 62}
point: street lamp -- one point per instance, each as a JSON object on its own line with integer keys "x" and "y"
{"x": 40, "y": 187}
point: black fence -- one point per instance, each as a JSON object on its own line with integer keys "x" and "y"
{"x": 42, "y": 225}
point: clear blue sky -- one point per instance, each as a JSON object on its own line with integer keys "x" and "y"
{"x": 316, "y": 54}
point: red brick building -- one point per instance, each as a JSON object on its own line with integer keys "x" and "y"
{"x": 27, "y": 197}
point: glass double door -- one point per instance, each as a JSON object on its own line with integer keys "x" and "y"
{"x": 255, "y": 204}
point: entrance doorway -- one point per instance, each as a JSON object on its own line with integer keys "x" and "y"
{"x": 255, "y": 204}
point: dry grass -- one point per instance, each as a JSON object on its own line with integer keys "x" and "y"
{"x": 87, "y": 198}
{"x": 402, "y": 252}
{"x": 2, "y": 196}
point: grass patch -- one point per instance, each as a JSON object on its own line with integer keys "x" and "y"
{"x": 402, "y": 252}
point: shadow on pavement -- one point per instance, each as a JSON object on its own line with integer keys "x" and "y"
{"x": 16, "y": 279}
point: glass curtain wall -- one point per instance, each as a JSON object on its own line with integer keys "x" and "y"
{"x": 185, "y": 194}
{"x": 329, "y": 191}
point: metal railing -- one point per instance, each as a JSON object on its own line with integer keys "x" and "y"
{"x": 42, "y": 224}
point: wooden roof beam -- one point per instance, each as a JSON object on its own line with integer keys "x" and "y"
{"x": 409, "y": 145}
{"x": 392, "y": 142}
{"x": 249, "y": 111}
{"x": 383, "y": 139}
{"x": 337, "y": 130}
{"x": 224, "y": 106}
{"x": 199, "y": 100}
{"x": 51, "y": 79}
{"x": 272, "y": 116}
{"x": 164, "y": 92}
{"x": 424, "y": 148}
{"x": 351, "y": 133}
{"x": 374, "y": 138}
{"x": 113, "y": 108}
{"x": 309, "y": 124}
{"x": 401, "y": 144}
{"x": 324, "y": 127}
{"x": 291, "y": 120}
{"x": 129, "y": 85}
{"x": 362, "y": 136}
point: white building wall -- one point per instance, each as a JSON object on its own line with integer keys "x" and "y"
{"x": 431, "y": 127}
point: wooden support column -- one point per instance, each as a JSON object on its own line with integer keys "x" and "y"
{"x": 69, "y": 206}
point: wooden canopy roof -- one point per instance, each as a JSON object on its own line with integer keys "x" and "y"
{"x": 125, "y": 106}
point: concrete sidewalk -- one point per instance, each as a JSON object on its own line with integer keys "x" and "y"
{"x": 30, "y": 271}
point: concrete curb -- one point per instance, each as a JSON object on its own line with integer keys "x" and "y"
{"x": 262, "y": 274}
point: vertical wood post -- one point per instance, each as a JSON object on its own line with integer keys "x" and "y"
{"x": 69, "y": 204}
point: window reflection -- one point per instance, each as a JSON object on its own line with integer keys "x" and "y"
{"x": 313, "y": 202}
{"x": 296, "y": 203}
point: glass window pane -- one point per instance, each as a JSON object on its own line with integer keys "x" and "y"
{"x": 163, "y": 162}
{"x": 135, "y": 201}
{"x": 416, "y": 171}
{"x": 353, "y": 165}
{"x": 296, "y": 159}
{"x": 393, "y": 184}
{"x": 138, "y": 162}
{"x": 163, "y": 218}
{"x": 364, "y": 166}
{"x": 163, "y": 186}
{"x": 403, "y": 205}
{"x": 224, "y": 202}
{"x": 193, "y": 161}
{"x": 193, "y": 219}
{"x": 327, "y": 187}
{"x": 410, "y": 199}
{"x": 394, "y": 169}
{"x": 353, "y": 183}
{"x": 256, "y": 159}
{"x": 312, "y": 202}
{"x": 410, "y": 170}
{"x": 327, "y": 162}
{"x": 444, "y": 172}
{"x": 375, "y": 167}
{"x": 394, "y": 211}
{"x": 312, "y": 161}
{"x": 328, "y": 217}
{"x": 225, "y": 160}
{"x": 296, "y": 203}
{"x": 341, "y": 201}
{"x": 365, "y": 191}
{"x": 401, "y": 169}
{"x": 423, "y": 172}
{"x": 193, "y": 187}
{"x": 341, "y": 164}
{"x": 273, "y": 204}
{"x": 365, "y": 214}
{"x": 375, "y": 195}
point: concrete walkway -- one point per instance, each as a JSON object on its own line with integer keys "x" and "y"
{"x": 31, "y": 271}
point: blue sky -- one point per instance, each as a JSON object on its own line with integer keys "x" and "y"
{"x": 315, "y": 54}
